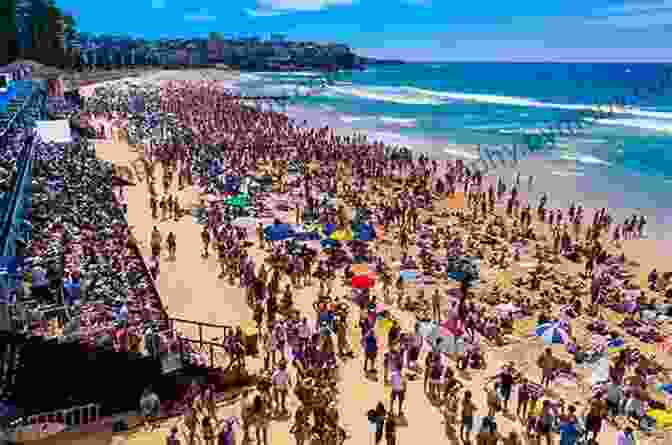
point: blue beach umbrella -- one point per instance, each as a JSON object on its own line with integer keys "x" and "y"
{"x": 327, "y": 243}
{"x": 278, "y": 232}
{"x": 408, "y": 275}
{"x": 329, "y": 229}
{"x": 616, "y": 345}
{"x": 552, "y": 333}
{"x": 457, "y": 275}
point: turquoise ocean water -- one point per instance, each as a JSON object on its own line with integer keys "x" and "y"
{"x": 446, "y": 109}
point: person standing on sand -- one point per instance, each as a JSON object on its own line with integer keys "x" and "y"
{"x": 467, "y": 412}
{"x": 436, "y": 306}
{"x": 546, "y": 362}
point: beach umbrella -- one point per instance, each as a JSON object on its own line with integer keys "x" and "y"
{"x": 363, "y": 282}
{"x": 552, "y": 333}
{"x": 329, "y": 243}
{"x": 457, "y": 275}
{"x": 365, "y": 232}
{"x": 329, "y": 229}
{"x": 317, "y": 228}
{"x": 341, "y": 235}
{"x": 408, "y": 275}
{"x": 278, "y": 232}
{"x": 241, "y": 200}
{"x": 665, "y": 346}
{"x": 360, "y": 269}
{"x": 616, "y": 345}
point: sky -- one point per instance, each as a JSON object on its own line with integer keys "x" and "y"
{"x": 411, "y": 30}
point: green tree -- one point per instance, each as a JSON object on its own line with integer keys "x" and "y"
{"x": 215, "y": 36}
{"x": 8, "y": 32}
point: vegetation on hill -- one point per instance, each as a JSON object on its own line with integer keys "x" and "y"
{"x": 50, "y": 28}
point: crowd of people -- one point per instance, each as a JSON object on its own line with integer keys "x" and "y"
{"x": 82, "y": 279}
{"x": 400, "y": 196}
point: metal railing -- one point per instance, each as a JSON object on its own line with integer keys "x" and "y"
{"x": 26, "y": 103}
{"x": 23, "y": 176}
{"x": 76, "y": 416}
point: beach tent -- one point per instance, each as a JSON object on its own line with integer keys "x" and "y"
{"x": 278, "y": 232}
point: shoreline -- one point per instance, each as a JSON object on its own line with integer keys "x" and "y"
{"x": 564, "y": 180}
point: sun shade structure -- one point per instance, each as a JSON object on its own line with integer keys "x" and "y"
{"x": 278, "y": 232}
{"x": 241, "y": 200}
{"x": 363, "y": 282}
{"x": 552, "y": 333}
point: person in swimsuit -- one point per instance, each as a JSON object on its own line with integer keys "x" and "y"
{"x": 468, "y": 410}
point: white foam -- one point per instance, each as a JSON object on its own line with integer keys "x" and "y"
{"x": 290, "y": 73}
{"x": 567, "y": 173}
{"x": 380, "y": 95}
{"x": 247, "y": 77}
{"x": 583, "y": 159}
{"x": 408, "y": 123}
{"x": 526, "y": 102}
{"x": 453, "y": 151}
{"x": 393, "y": 138}
{"x": 350, "y": 119}
{"x": 644, "y": 124}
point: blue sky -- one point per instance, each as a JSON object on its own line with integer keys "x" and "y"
{"x": 436, "y": 30}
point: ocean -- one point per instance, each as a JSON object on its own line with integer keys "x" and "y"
{"x": 623, "y": 162}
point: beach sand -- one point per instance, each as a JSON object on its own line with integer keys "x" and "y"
{"x": 190, "y": 289}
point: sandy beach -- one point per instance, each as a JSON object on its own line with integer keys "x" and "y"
{"x": 190, "y": 289}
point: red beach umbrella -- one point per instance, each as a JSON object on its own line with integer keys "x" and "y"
{"x": 363, "y": 282}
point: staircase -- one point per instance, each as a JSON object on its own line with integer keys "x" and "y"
{"x": 24, "y": 91}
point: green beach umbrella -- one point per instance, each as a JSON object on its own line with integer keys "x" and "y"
{"x": 241, "y": 200}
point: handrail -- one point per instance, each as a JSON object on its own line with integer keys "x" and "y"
{"x": 25, "y": 104}
{"x": 25, "y": 167}
{"x": 74, "y": 416}
{"x": 200, "y": 324}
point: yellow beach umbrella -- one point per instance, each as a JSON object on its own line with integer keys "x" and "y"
{"x": 342, "y": 235}
{"x": 663, "y": 418}
{"x": 249, "y": 327}
{"x": 524, "y": 327}
{"x": 504, "y": 279}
